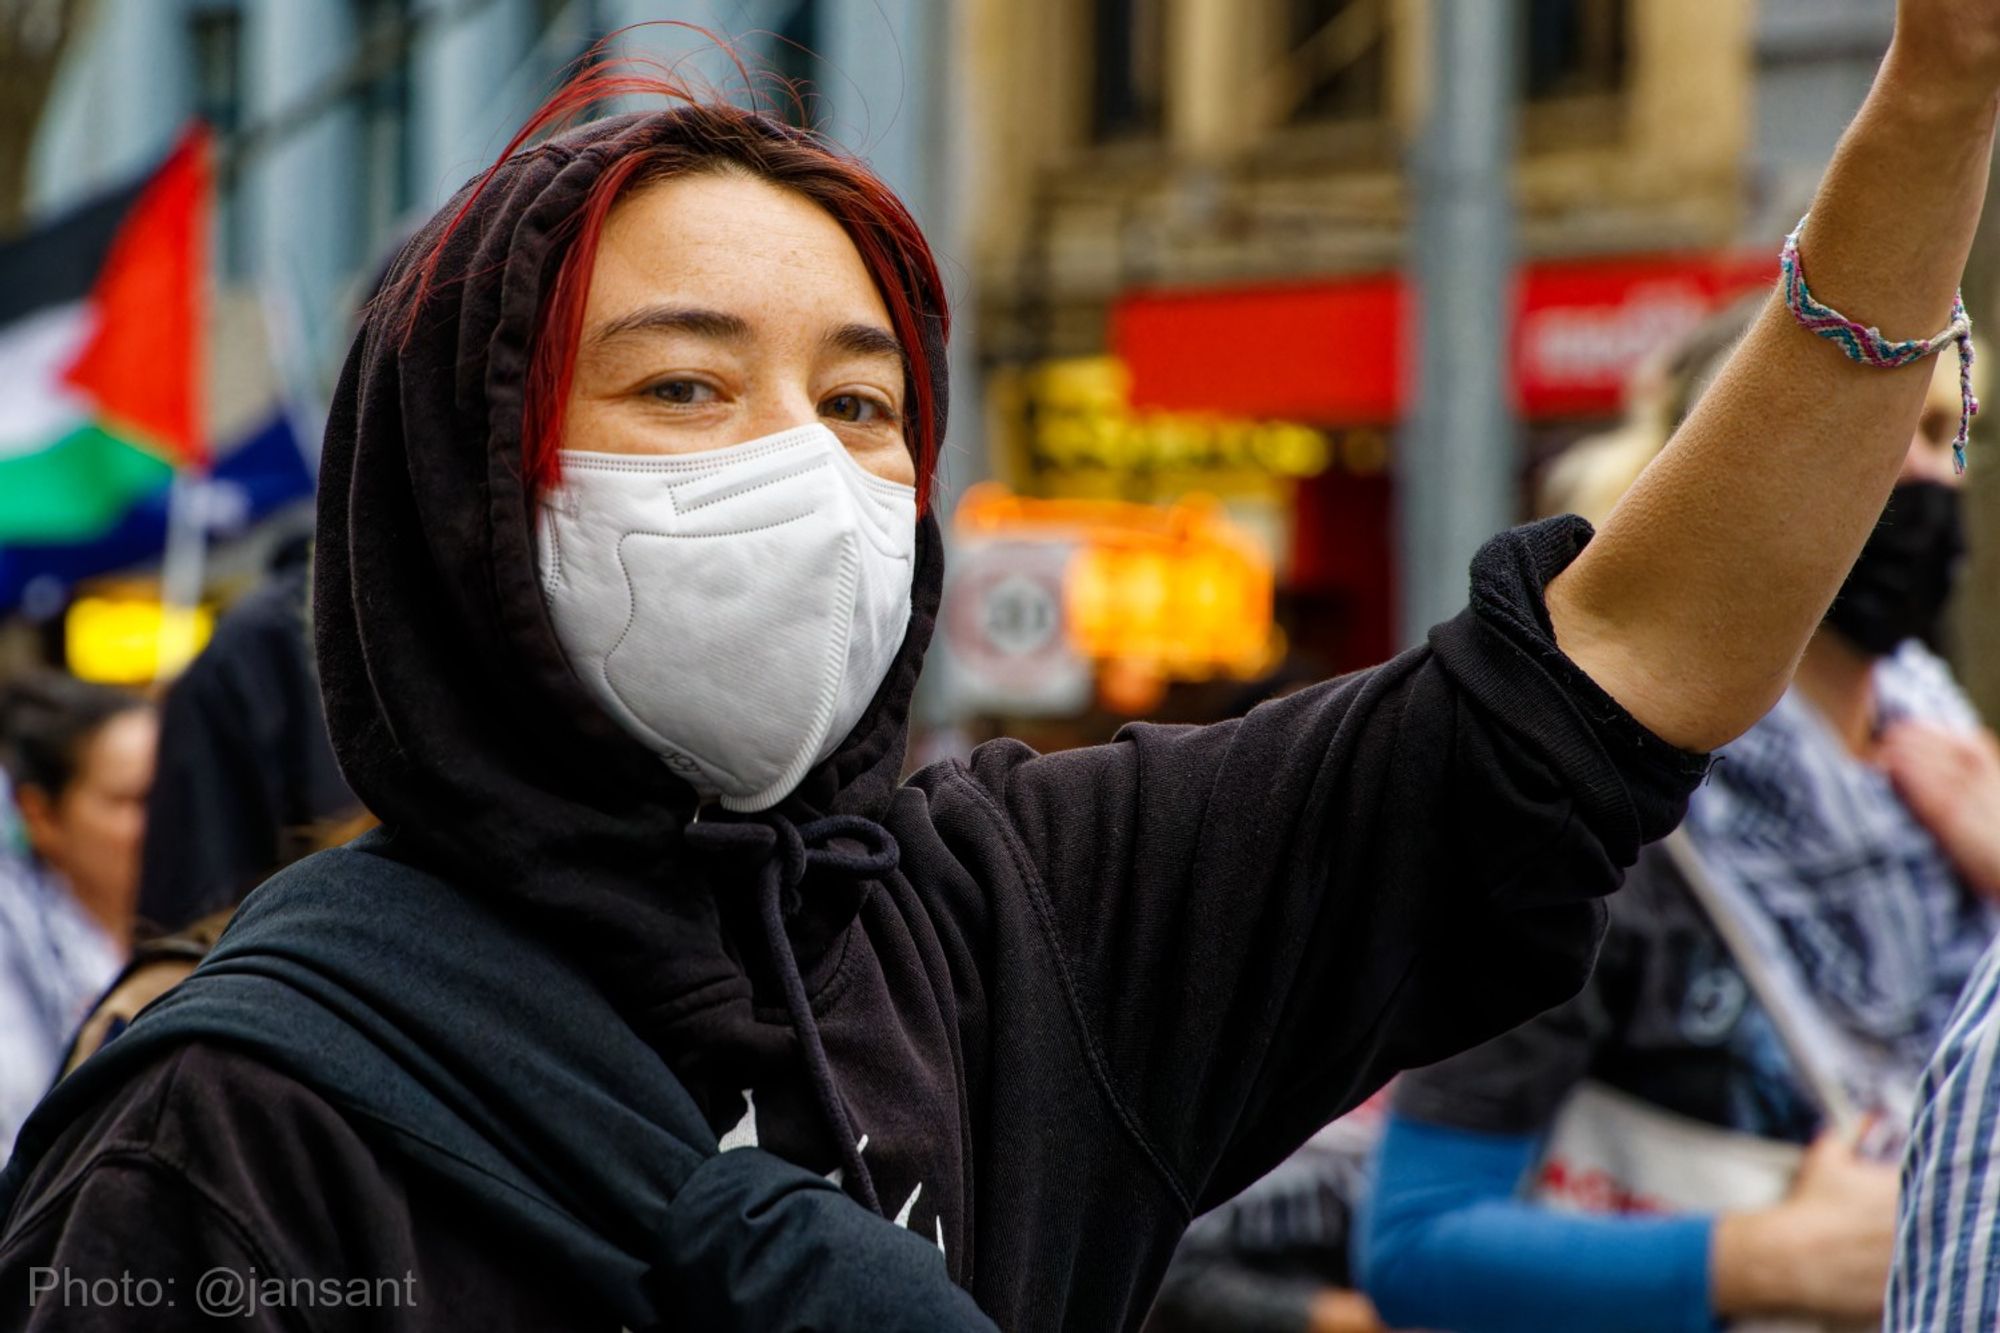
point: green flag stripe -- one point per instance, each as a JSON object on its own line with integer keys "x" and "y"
{"x": 76, "y": 489}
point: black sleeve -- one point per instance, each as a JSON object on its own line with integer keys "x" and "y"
{"x": 1516, "y": 1083}
{"x": 199, "y": 1195}
{"x": 1266, "y": 918}
{"x": 132, "y": 1245}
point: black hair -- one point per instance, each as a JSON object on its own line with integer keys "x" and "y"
{"x": 47, "y": 720}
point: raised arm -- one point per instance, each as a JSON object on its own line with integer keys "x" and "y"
{"x": 1693, "y": 604}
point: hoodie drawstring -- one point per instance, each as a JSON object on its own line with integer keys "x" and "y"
{"x": 784, "y": 852}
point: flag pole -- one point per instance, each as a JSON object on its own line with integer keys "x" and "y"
{"x": 182, "y": 572}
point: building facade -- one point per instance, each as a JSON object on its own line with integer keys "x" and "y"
{"x": 1210, "y": 202}
{"x": 343, "y": 123}
{"x": 1175, "y": 230}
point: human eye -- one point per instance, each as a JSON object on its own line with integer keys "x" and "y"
{"x": 858, "y": 409}
{"x": 681, "y": 392}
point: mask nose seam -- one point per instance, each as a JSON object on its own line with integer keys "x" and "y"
{"x": 737, "y": 492}
{"x": 721, "y": 456}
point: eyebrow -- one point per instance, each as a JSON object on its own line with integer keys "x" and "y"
{"x": 714, "y": 324}
{"x": 865, "y": 340}
{"x": 855, "y": 339}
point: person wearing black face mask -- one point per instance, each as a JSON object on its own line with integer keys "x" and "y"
{"x": 1904, "y": 576}
{"x": 1853, "y": 837}
{"x": 1891, "y": 610}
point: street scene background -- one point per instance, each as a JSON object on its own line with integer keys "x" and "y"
{"x": 1266, "y": 314}
{"x": 1181, "y": 238}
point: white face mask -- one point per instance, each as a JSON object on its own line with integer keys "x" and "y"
{"x": 735, "y": 610}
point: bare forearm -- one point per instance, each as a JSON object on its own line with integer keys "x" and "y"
{"x": 1693, "y": 604}
{"x": 1784, "y": 1260}
{"x": 1753, "y": 1265}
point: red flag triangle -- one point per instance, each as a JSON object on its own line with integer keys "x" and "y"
{"x": 143, "y": 365}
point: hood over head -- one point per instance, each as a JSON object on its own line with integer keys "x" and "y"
{"x": 452, "y": 709}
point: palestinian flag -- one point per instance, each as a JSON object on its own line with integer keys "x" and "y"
{"x": 107, "y": 385}
{"x": 101, "y": 323}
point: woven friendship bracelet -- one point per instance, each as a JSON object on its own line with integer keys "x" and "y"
{"x": 1867, "y": 346}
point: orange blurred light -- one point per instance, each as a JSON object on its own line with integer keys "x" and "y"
{"x": 1176, "y": 590}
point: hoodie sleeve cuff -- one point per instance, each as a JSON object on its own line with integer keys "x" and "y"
{"x": 1632, "y": 786}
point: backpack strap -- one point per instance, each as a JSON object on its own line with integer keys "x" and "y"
{"x": 459, "y": 1044}
{"x": 1800, "y": 1028}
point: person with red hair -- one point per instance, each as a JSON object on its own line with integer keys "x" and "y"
{"x": 663, "y": 999}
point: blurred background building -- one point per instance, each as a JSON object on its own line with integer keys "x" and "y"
{"x": 1207, "y": 205}
{"x": 339, "y": 125}
{"x": 345, "y": 122}
{"x": 1178, "y": 233}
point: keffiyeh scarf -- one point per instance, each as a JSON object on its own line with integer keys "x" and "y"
{"x": 1875, "y": 925}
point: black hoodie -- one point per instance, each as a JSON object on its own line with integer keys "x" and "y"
{"x": 1099, "y": 990}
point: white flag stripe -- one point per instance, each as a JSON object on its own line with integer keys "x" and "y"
{"x": 36, "y": 408}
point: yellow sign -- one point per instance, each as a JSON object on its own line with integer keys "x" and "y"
{"x": 1078, "y": 418}
{"x": 132, "y": 640}
{"x": 1177, "y": 589}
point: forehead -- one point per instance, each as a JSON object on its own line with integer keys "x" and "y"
{"x": 726, "y": 238}
{"x": 123, "y": 744}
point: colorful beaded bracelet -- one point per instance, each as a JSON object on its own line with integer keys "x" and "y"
{"x": 1867, "y": 345}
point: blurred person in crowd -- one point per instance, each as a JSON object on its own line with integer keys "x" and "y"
{"x": 245, "y": 764}
{"x": 657, "y": 979}
{"x": 79, "y": 758}
{"x": 1850, "y": 844}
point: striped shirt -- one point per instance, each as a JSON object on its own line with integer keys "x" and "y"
{"x": 1947, "y": 1272}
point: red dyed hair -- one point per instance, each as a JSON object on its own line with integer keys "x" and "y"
{"x": 708, "y": 134}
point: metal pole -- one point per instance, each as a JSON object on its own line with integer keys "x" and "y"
{"x": 1457, "y": 468}
{"x": 182, "y": 572}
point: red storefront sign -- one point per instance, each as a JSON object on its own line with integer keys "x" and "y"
{"x": 1335, "y": 352}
